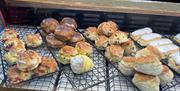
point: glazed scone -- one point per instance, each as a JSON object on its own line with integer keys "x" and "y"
{"x": 166, "y": 50}
{"x": 9, "y": 34}
{"x": 33, "y": 40}
{"x": 15, "y": 45}
{"x": 53, "y": 42}
{"x": 77, "y": 37}
{"x": 108, "y": 28}
{"x": 81, "y": 64}
{"x": 145, "y": 39}
{"x": 66, "y": 53}
{"x": 28, "y": 60}
{"x": 159, "y": 42}
{"x": 136, "y": 34}
{"x": 177, "y": 38}
{"x": 91, "y": 33}
{"x": 129, "y": 47}
{"x": 11, "y": 57}
{"x": 149, "y": 50}
{"x": 114, "y": 53}
{"x": 126, "y": 65}
{"x": 166, "y": 76}
{"x": 84, "y": 48}
{"x": 63, "y": 33}
{"x": 16, "y": 76}
{"x": 174, "y": 61}
{"x": 146, "y": 82}
{"x": 101, "y": 42}
{"x": 150, "y": 65}
{"x": 48, "y": 65}
{"x": 49, "y": 25}
{"x": 118, "y": 37}
{"x": 69, "y": 22}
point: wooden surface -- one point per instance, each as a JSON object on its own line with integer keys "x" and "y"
{"x": 157, "y": 8}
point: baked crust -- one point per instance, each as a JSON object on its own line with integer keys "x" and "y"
{"x": 84, "y": 48}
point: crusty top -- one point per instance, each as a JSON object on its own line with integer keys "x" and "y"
{"x": 77, "y": 37}
{"x": 28, "y": 55}
{"x": 147, "y": 59}
{"x": 165, "y": 70}
{"x": 154, "y": 51}
{"x": 83, "y": 46}
{"x": 127, "y": 44}
{"x": 68, "y": 50}
{"x": 69, "y": 22}
{"x": 91, "y": 30}
{"x": 101, "y": 40}
{"x": 115, "y": 50}
{"x": 33, "y": 37}
{"x": 49, "y": 25}
{"x": 50, "y": 63}
{"x": 129, "y": 59}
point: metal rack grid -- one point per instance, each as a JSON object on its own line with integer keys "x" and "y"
{"x": 46, "y": 82}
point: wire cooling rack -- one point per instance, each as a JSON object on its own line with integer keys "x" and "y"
{"x": 46, "y": 82}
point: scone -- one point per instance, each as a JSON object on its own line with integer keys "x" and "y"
{"x": 81, "y": 64}
{"x": 166, "y": 50}
{"x": 108, "y": 28}
{"x": 150, "y": 65}
{"x": 91, "y": 33}
{"x": 84, "y": 48}
{"x": 136, "y": 34}
{"x": 149, "y": 50}
{"x": 15, "y": 45}
{"x": 70, "y": 22}
{"x": 77, "y": 37}
{"x": 177, "y": 38}
{"x": 159, "y": 42}
{"x": 101, "y": 42}
{"x": 9, "y": 34}
{"x": 16, "y": 76}
{"x": 11, "y": 57}
{"x": 28, "y": 60}
{"x": 118, "y": 37}
{"x": 174, "y": 61}
{"x": 66, "y": 53}
{"x": 63, "y": 32}
{"x": 146, "y": 82}
{"x": 129, "y": 47}
{"x": 126, "y": 65}
{"x": 145, "y": 39}
{"x": 33, "y": 40}
{"x": 49, "y": 25}
{"x": 53, "y": 42}
{"x": 166, "y": 76}
{"x": 48, "y": 65}
{"x": 114, "y": 53}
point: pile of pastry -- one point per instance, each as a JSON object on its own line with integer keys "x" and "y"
{"x": 177, "y": 38}
{"x": 72, "y": 47}
{"x": 25, "y": 63}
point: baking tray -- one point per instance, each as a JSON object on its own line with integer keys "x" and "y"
{"x": 46, "y": 82}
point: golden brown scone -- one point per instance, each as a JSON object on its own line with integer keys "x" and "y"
{"x": 114, "y": 53}
{"x": 9, "y": 34}
{"x": 174, "y": 61}
{"x": 15, "y": 76}
{"x": 69, "y": 22}
{"x": 11, "y": 57}
{"x": 15, "y": 45}
{"x": 150, "y": 65}
{"x": 33, "y": 40}
{"x": 126, "y": 65}
{"x": 149, "y": 50}
{"x": 101, "y": 42}
{"x": 129, "y": 47}
{"x": 91, "y": 33}
{"x": 63, "y": 33}
{"x": 53, "y": 42}
{"x": 48, "y": 65}
{"x": 49, "y": 25}
{"x": 146, "y": 82}
{"x": 77, "y": 37}
{"x": 118, "y": 37}
{"x": 166, "y": 76}
{"x": 108, "y": 28}
{"x": 84, "y": 48}
{"x": 66, "y": 53}
{"x": 29, "y": 60}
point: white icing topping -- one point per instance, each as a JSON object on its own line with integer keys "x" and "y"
{"x": 76, "y": 64}
{"x": 142, "y": 31}
{"x": 177, "y": 36}
{"x": 150, "y": 36}
{"x": 176, "y": 56}
{"x": 159, "y": 42}
{"x": 167, "y": 48}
